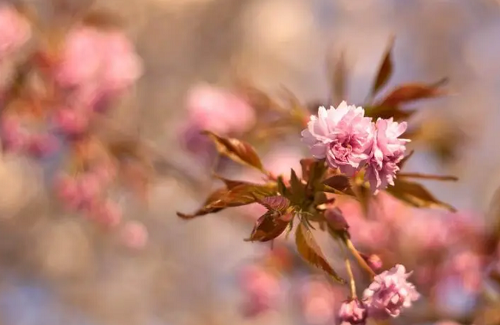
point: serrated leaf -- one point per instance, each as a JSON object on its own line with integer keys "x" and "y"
{"x": 385, "y": 71}
{"x": 311, "y": 252}
{"x": 243, "y": 194}
{"x": 268, "y": 227}
{"x": 412, "y": 92}
{"x": 236, "y": 150}
{"x": 275, "y": 203}
{"x": 416, "y": 195}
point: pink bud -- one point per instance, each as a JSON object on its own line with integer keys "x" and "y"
{"x": 336, "y": 219}
{"x": 134, "y": 235}
{"x": 374, "y": 261}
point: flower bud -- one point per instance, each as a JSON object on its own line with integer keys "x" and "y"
{"x": 353, "y": 312}
{"x": 336, "y": 219}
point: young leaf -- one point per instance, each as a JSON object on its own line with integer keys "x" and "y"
{"x": 416, "y": 195}
{"x": 275, "y": 203}
{"x": 385, "y": 70}
{"x": 268, "y": 227}
{"x": 412, "y": 92}
{"x": 236, "y": 150}
{"x": 311, "y": 252}
{"x": 243, "y": 194}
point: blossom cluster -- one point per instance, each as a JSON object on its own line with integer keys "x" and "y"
{"x": 350, "y": 141}
{"x": 66, "y": 88}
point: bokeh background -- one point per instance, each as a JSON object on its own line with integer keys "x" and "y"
{"x": 54, "y": 269}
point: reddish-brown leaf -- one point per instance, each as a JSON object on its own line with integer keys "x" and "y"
{"x": 311, "y": 252}
{"x": 268, "y": 227}
{"x": 243, "y": 194}
{"x": 411, "y": 92}
{"x": 276, "y": 203}
{"x": 416, "y": 195}
{"x": 236, "y": 150}
{"x": 385, "y": 70}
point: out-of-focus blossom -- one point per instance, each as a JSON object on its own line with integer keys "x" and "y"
{"x": 388, "y": 151}
{"x": 15, "y": 30}
{"x": 261, "y": 290}
{"x": 122, "y": 66}
{"x": 96, "y": 64}
{"x": 353, "y": 312}
{"x": 218, "y": 110}
{"x": 342, "y": 135}
{"x": 134, "y": 235}
{"x": 318, "y": 301}
{"x": 81, "y": 58}
{"x": 389, "y": 293}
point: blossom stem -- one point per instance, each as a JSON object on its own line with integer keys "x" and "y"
{"x": 358, "y": 257}
{"x": 352, "y": 283}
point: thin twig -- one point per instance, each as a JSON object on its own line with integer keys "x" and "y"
{"x": 359, "y": 258}
{"x": 352, "y": 283}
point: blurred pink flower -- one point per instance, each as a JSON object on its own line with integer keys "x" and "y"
{"x": 388, "y": 150}
{"x": 390, "y": 292}
{"x": 134, "y": 235}
{"x": 219, "y": 110}
{"x": 353, "y": 312}
{"x": 16, "y": 30}
{"x": 342, "y": 135}
{"x": 260, "y": 288}
{"x": 97, "y": 63}
{"x": 121, "y": 64}
{"x": 318, "y": 300}
{"x": 81, "y": 57}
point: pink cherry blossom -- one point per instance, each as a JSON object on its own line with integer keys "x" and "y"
{"x": 16, "y": 30}
{"x": 81, "y": 57}
{"x": 219, "y": 110}
{"x": 353, "y": 312}
{"x": 389, "y": 293}
{"x": 387, "y": 152}
{"x": 134, "y": 235}
{"x": 342, "y": 135}
{"x": 121, "y": 65}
